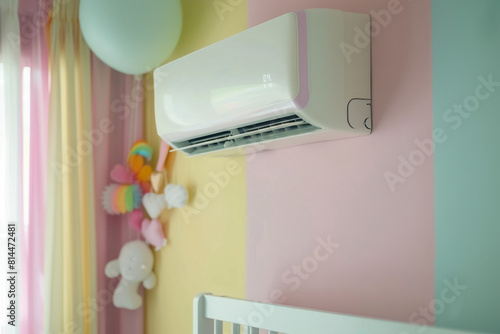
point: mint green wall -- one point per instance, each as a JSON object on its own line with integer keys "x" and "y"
{"x": 466, "y": 45}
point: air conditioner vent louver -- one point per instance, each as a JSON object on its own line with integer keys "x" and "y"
{"x": 277, "y": 128}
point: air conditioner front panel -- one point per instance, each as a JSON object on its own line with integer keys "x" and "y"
{"x": 232, "y": 79}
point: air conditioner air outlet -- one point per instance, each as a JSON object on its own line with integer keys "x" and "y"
{"x": 262, "y": 131}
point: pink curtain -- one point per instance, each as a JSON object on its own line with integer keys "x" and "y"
{"x": 117, "y": 123}
{"x": 33, "y": 16}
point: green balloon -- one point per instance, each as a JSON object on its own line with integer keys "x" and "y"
{"x": 131, "y": 36}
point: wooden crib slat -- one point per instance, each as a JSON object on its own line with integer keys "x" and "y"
{"x": 201, "y": 324}
{"x": 250, "y": 330}
{"x": 218, "y": 327}
{"x": 235, "y": 329}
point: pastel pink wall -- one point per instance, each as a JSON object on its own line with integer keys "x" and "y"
{"x": 384, "y": 265}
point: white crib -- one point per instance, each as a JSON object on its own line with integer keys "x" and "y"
{"x": 210, "y": 312}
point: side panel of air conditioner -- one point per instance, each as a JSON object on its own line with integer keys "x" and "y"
{"x": 339, "y": 73}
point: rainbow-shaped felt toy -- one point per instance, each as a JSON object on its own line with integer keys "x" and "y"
{"x": 121, "y": 198}
{"x": 142, "y": 148}
{"x": 132, "y": 181}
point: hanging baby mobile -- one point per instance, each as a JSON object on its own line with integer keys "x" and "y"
{"x": 132, "y": 191}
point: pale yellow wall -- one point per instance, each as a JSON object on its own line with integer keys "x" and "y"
{"x": 206, "y": 241}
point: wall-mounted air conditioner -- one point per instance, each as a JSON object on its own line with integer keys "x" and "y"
{"x": 299, "y": 78}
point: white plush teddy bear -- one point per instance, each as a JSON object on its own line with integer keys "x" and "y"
{"x": 135, "y": 264}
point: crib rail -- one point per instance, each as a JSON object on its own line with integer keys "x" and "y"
{"x": 211, "y": 311}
